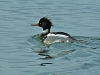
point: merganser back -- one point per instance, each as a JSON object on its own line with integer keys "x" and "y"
{"x": 52, "y": 37}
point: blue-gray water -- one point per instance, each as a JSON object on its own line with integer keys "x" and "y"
{"x": 22, "y": 54}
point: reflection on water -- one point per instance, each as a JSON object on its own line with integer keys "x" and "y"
{"x": 62, "y": 49}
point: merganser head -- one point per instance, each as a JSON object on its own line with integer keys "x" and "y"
{"x": 46, "y": 24}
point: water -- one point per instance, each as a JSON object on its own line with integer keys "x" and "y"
{"x": 22, "y": 54}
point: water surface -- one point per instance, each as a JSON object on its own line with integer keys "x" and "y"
{"x": 22, "y": 54}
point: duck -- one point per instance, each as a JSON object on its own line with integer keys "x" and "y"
{"x": 52, "y": 37}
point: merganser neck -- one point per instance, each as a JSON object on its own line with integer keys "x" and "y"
{"x": 44, "y": 32}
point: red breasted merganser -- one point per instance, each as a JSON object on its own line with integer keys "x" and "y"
{"x": 52, "y": 37}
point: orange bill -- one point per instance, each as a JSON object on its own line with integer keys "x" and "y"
{"x": 34, "y": 24}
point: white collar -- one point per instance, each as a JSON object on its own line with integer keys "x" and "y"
{"x": 45, "y": 31}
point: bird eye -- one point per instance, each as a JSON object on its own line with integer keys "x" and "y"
{"x": 40, "y": 23}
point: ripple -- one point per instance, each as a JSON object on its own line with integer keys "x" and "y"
{"x": 64, "y": 49}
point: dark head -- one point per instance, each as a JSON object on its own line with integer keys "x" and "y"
{"x": 45, "y": 23}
